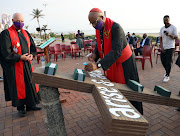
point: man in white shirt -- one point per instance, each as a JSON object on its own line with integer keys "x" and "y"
{"x": 168, "y": 34}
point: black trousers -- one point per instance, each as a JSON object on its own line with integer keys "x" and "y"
{"x": 166, "y": 59}
{"x": 138, "y": 50}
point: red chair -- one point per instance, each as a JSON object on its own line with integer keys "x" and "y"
{"x": 51, "y": 52}
{"x": 75, "y": 50}
{"x": 73, "y": 43}
{"x": 68, "y": 50}
{"x": 150, "y": 42}
{"x": 158, "y": 54}
{"x": 156, "y": 48}
{"x": 177, "y": 42}
{"x": 63, "y": 47}
{"x": 58, "y": 51}
{"x": 137, "y": 43}
{"x": 91, "y": 50}
{"x": 176, "y": 47}
{"x": 86, "y": 45}
{"x": 146, "y": 55}
{"x": 39, "y": 54}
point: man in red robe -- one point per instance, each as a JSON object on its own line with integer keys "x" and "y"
{"x": 16, "y": 48}
{"x": 112, "y": 48}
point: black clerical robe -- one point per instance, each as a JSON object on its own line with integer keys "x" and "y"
{"x": 119, "y": 43}
{"x": 8, "y": 59}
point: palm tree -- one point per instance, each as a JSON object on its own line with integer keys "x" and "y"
{"x": 26, "y": 27}
{"x": 37, "y": 14}
{"x": 45, "y": 27}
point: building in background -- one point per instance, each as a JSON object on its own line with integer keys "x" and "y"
{"x": 5, "y": 20}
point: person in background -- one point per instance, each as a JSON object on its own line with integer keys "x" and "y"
{"x": 157, "y": 41}
{"x": 16, "y": 49}
{"x": 168, "y": 34}
{"x": 1, "y": 77}
{"x": 79, "y": 39}
{"x": 127, "y": 35}
{"x": 133, "y": 40}
{"x": 178, "y": 64}
{"x": 115, "y": 55}
{"x": 144, "y": 42}
{"x": 62, "y": 37}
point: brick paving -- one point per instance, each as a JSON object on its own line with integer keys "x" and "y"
{"x": 81, "y": 114}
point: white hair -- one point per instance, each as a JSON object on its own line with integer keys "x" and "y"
{"x": 15, "y": 14}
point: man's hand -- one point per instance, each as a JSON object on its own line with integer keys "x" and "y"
{"x": 24, "y": 57}
{"x": 167, "y": 33}
{"x": 91, "y": 67}
{"x": 92, "y": 57}
{"x": 162, "y": 50}
{"x": 30, "y": 56}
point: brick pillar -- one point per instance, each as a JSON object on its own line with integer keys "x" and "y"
{"x": 54, "y": 115}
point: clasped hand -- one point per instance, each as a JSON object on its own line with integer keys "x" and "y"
{"x": 27, "y": 57}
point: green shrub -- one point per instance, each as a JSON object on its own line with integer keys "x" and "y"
{"x": 139, "y": 37}
{"x": 153, "y": 38}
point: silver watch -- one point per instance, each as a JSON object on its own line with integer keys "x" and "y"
{"x": 98, "y": 64}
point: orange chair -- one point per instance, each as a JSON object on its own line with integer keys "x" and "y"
{"x": 75, "y": 50}
{"x": 39, "y": 54}
{"x": 58, "y": 51}
{"x": 146, "y": 55}
{"x": 86, "y": 45}
{"x": 68, "y": 50}
{"x": 51, "y": 52}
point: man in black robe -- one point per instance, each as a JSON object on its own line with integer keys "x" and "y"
{"x": 118, "y": 50}
{"x": 9, "y": 58}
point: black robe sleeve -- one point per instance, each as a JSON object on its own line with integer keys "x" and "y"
{"x": 119, "y": 42}
{"x": 32, "y": 46}
{"x": 97, "y": 53}
{"x": 6, "y": 49}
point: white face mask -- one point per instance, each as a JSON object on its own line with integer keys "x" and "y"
{"x": 132, "y": 35}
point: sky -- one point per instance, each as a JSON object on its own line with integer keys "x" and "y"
{"x": 68, "y": 16}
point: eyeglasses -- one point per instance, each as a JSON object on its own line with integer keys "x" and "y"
{"x": 95, "y": 23}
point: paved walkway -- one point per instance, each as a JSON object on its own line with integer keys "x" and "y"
{"x": 81, "y": 114}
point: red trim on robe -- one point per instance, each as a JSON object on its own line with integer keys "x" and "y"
{"x": 115, "y": 73}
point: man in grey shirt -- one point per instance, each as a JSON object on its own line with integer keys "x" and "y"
{"x": 168, "y": 34}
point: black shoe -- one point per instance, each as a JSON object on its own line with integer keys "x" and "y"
{"x": 21, "y": 113}
{"x": 178, "y": 109}
{"x": 34, "y": 108}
